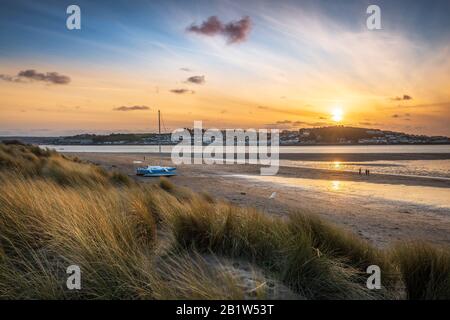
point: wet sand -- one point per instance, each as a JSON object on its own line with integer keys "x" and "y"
{"x": 381, "y": 221}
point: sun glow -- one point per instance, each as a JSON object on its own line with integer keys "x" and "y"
{"x": 335, "y": 185}
{"x": 336, "y": 164}
{"x": 337, "y": 114}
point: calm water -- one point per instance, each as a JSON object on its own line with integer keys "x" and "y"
{"x": 422, "y": 168}
{"x": 416, "y": 195}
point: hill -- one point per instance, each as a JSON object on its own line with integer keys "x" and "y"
{"x": 353, "y": 135}
{"x": 308, "y": 136}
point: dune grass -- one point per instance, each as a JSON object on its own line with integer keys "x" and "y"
{"x": 299, "y": 251}
{"x": 425, "y": 270}
{"x": 32, "y": 161}
{"x": 109, "y": 232}
{"x": 140, "y": 241}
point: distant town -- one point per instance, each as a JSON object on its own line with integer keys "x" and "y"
{"x": 333, "y": 135}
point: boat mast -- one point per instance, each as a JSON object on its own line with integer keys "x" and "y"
{"x": 159, "y": 136}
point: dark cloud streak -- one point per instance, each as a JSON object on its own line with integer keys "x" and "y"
{"x": 405, "y": 97}
{"x": 405, "y": 116}
{"x": 32, "y": 75}
{"x": 182, "y": 91}
{"x": 196, "y": 79}
{"x": 131, "y": 108}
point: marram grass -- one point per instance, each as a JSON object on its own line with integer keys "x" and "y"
{"x": 139, "y": 241}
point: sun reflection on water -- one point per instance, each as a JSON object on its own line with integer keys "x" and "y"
{"x": 335, "y": 185}
{"x": 337, "y": 164}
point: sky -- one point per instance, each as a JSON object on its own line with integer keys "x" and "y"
{"x": 231, "y": 64}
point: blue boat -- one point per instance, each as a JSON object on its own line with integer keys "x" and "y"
{"x": 156, "y": 171}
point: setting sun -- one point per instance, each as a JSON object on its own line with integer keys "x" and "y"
{"x": 337, "y": 114}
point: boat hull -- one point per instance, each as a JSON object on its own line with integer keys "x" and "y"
{"x": 156, "y": 171}
{"x": 161, "y": 174}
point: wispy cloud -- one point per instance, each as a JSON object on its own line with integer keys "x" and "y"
{"x": 368, "y": 123}
{"x": 294, "y": 112}
{"x": 289, "y": 124}
{"x": 131, "y": 108}
{"x": 405, "y": 116}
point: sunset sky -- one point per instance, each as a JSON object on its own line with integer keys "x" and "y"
{"x": 232, "y": 64}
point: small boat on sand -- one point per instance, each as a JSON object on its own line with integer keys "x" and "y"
{"x": 156, "y": 171}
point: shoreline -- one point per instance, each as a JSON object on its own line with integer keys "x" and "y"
{"x": 382, "y": 222}
{"x": 287, "y": 170}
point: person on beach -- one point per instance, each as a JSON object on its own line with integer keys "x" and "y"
{"x": 360, "y": 171}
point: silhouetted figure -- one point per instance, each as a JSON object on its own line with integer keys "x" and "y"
{"x": 360, "y": 171}
{"x": 368, "y": 172}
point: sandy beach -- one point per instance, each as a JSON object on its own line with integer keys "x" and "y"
{"x": 381, "y": 208}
